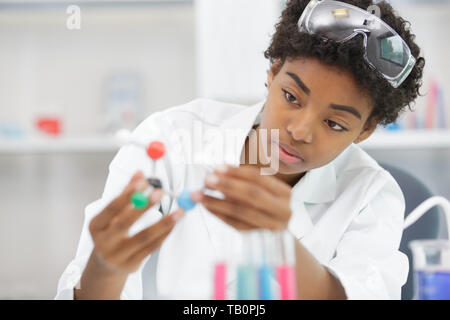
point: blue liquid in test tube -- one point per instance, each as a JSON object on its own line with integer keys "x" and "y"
{"x": 266, "y": 273}
{"x": 246, "y": 282}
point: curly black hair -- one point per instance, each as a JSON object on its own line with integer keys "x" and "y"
{"x": 388, "y": 102}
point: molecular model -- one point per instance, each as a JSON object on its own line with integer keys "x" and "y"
{"x": 268, "y": 257}
{"x": 155, "y": 151}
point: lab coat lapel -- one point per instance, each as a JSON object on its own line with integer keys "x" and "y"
{"x": 185, "y": 260}
{"x": 317, "y": 187}
{"x": 335, "y": 222}
{"x": 133, "y": 288}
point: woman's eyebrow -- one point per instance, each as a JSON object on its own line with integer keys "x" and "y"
{"x": 352, "y": 110}
{"x": 299, "y": 82}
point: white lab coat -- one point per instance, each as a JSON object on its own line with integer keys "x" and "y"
{"x": 348, "y": 213}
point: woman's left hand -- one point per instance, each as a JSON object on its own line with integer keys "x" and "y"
{"x": 251, "y": 200}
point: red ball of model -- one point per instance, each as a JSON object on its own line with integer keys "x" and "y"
{"x": 156, "y": 150}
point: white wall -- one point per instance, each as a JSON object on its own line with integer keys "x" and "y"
{"x": 41, "y": 215}
{"x": 231, "y": 37}
{"x": 47, "y": 68}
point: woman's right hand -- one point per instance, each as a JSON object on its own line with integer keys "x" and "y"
{"x": 115, "y": 253}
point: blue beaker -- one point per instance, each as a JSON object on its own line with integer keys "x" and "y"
{"x": 431, "y": 261}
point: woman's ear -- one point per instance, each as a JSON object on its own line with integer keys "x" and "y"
{"x": 368, "y": 129}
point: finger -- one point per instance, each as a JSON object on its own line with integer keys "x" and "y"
{"x": 124, "y": 220}
{"x": 238, "y": 212}
{"x": 272, "y": 184}
{"x": 119, "y": 225}
{"x": 150, "y": 234}
{"x": 102, "y": 219}
{"x": 235, "y": 223}
{"x": 140, "y": 255}
{"x": 249, "y": 193}
{"x": 121, "y": 249}
{"x": 129, "y": 250}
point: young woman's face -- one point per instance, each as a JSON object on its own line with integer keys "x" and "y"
{"x": 319, "y": 111}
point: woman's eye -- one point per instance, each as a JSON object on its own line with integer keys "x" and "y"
{"x": 289, "y": 96}
{"x": 335, "y": 126}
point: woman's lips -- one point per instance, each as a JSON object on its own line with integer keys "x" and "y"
{"x": 288, "y": 155}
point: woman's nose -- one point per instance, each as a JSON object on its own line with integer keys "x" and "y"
{"x": 301, "y": 127}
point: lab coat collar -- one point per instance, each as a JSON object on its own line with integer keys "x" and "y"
{"x": 316, "y": 186}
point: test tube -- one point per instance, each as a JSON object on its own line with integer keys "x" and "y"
{"x": 266, "y": 272}
{"x": 223, "y": 263}
{"x": 285, "y": 271}
{"x": 246, "y": 271}
{"x": 220, "y": 271}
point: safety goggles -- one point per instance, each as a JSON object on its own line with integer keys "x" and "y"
{"x": 385, "y": 50}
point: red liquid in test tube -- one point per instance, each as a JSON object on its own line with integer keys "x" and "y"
{"x": 285, "y": 271}
{"x": 219, "y": 281}
{"x": 287, "y": 281}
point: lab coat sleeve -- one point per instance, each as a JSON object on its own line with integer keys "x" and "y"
{"x": 72, "y": 274}
{"x": 127, "y": 161}
{"x": 367, "y": 260}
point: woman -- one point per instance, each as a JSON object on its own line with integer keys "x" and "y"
{"x": 336, "y": 73}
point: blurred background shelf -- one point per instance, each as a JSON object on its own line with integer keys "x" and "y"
{"x": 410, "y": 139}
{"x": 91, "y": 144}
